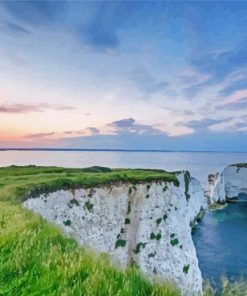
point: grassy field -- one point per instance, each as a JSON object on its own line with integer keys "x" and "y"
{"x": 17, "y": 183}
{"x": 35, "y": 257}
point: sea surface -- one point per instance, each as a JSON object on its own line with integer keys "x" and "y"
{"x": 221, "y": 242}
{"x": 221, "y": 236}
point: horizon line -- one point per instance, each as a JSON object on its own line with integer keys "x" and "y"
{"x": 116, "y": 150}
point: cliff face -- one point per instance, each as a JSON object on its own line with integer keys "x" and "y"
{"x": 227, "y": 185}
{"x": 215, "y": 190}
{"x": 235, "y": 180}
{"x": 146, "y": 224}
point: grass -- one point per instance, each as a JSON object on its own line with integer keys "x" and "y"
{"x": 240, "y": 165}
{"x": 37, "y": 259}
{"x": 18, "y": 183}
{"x": 227, "y": 288}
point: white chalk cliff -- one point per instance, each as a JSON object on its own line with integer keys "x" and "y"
{"x": 215, "y": 190}
{"x": 227, "y": 185}
{"x": 146, "y": 224}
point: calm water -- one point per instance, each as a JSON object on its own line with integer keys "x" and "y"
{"x": 199, "y": 164}
{"x": 221, "y": 242}
{"x": 221, "y": 237}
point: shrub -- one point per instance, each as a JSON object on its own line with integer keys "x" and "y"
{"x": 139, "y": 246}
{"x": 127, "y": 221}
{"x": 151, "y": 255}
{"x": 186, "y": 268}
{"x": 120, "y": 243}
{"x": 89, "y": 206}
{"x": 67, "y": 222}
{"x": 174, "y": 242}
{"x": 165, "y": 217}
{"x": 74, "y": 202}
{"x": 158, "y": 221}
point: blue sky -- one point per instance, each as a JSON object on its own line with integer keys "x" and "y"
{"x": 126, "y": 75}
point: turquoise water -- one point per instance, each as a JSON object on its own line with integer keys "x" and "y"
{"x": 221, "y": 242}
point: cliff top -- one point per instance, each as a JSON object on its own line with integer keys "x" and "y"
{"x": 20, "y": 182}
{"x": 240, "y": 165}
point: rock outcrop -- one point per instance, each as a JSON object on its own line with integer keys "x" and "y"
{"x": 235, "y": 180}
{"x": 146, "y": 224}
{"x": 228, "y": 185}
{"x": 215, "y": 191}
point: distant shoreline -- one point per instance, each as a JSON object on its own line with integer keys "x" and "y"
{"x": 113, "y": 150}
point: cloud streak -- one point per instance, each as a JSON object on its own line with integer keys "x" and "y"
{"x": 30, "y": 108}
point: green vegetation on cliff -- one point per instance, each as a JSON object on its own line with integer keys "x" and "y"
{"x": 17, "y": 183}
{"x": 37, "y": 259}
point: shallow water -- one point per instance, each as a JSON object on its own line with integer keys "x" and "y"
{"x": 221, "y": 242}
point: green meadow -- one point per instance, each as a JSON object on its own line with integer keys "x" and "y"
{"x": 37, "y": 259}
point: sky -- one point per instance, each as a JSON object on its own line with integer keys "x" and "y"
{"x": 124, "y": 75}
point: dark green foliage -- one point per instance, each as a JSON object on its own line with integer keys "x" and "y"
{"x": 147, "y": 196}
{"x": 148, "y": 186}
{"x": 174, "y": 242}
{"x": 165, "y": 217}
{"x": 187, "y": 182}
{"x": 186, "y": 268}
{"x": 139, "y": 247}
{"x": 158, "y": 221}
{"x": 97, "y": 169}
{"x": 74, "y": 202}
{"x": 122, "y": 230}
{"x": 120, "y": 243}
{"x": 89, "y": 206}
{"x": 67, "y": 222}
{"x": 151, "y": 255}
{"x": 181, "y": 247}
{"x": 172, "y": 235}
{"x": 157, "y": 236}
{"x": 130, "y": 190}
{"x": 129, "y": 207}
{"x": 127, "y": 221}
{"x": 165, "y": 188}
